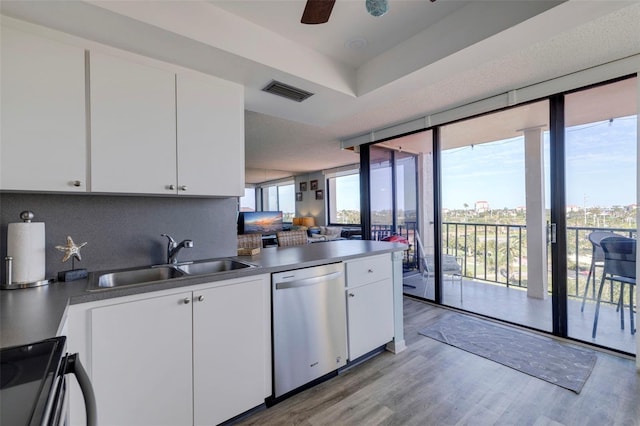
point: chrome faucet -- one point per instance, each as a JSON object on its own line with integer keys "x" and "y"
{"x": 173, "y": 248}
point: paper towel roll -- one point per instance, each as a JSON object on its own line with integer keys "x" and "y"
{"x": 25, "y": 243}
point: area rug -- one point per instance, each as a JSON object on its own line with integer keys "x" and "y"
{"x": 538, "y": 356}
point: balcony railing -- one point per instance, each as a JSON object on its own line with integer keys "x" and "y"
{"x": 490, "y": 252}
{"x": 497, "y": 253}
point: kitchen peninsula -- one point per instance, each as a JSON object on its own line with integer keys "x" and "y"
{"x": 69, "y": 309}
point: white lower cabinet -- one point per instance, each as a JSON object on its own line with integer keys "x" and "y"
{"x": 369, "y": 304}
{"x": 231, "y": 350}
{"x": 200, "y": 356}
{"x": 141, "y": 361}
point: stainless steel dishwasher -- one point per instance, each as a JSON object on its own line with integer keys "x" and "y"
{"x": 309, "y": 325}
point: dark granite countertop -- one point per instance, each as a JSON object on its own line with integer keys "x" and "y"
{"x": 29, "y": 315}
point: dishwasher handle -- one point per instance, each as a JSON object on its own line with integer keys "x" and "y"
{"x": 305, "y": 282}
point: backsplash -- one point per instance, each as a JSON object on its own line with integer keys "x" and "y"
{"x": 123, "y": 231}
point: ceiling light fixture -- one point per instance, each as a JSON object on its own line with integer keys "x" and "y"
{"x": 377, "y": 7}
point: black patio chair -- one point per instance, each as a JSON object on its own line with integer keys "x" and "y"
{"x": 597, "y": 261}
{"x": 620, "y": 266}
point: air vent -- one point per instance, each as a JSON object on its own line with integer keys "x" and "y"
{"x": 286, "y": 91}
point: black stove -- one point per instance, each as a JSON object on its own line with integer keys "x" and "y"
{"x": 33, "y": 385}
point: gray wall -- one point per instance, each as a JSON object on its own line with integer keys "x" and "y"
{"x": 123, "y": 231}
{"x": 309, "y": 206}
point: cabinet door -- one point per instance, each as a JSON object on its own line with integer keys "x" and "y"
{"x": 133, "y": 127}
{"x": 370, "y": 317}
{"x": 141, "y": 367}
{"x": 231, "y": 350}
{"x": 43, "y": 139}
{"x": 210, "y": 119}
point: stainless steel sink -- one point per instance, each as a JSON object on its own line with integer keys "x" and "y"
{"x": 137, "y": 276}
{"x": 212, "y": 267}
{"x": 161, "y": 273}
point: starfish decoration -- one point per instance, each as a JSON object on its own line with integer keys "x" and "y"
{"x": 71, "y": 250}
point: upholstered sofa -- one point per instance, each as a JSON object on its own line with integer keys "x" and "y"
{"x": 325, "y": 233}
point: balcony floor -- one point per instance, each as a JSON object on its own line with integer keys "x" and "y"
{"x": 512, "y": 304}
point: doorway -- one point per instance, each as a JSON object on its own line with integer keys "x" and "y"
{"x": 495, "y": 207}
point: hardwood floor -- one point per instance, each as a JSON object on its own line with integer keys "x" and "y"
{"x": 432, "y": 383}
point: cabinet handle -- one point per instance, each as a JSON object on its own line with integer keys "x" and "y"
{"x": 77, "y": 183}
{"x": 171, "y": 187}
{"x": 352, "y": 295}
{"x": 183, "y": 188}
{"x": 186, "y": 301}
{"x": 200, "y": 298}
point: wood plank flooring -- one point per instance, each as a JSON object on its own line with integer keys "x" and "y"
{"x": 432, "y": 383}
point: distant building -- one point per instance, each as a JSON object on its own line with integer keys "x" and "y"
{"x": 482, "y": 206}
{"x": 574, "y": 209}
{"x": 521, "y": 209}
{"x": 632, "y": 207}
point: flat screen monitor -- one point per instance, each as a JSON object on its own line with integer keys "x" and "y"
{"x": 268, "y": 222}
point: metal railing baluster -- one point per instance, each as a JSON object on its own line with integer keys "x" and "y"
{"x": 579, "y": 239}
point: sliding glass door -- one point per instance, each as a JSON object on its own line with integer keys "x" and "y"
{"x": 495, "y": 210}
{"x": 520, "y": 200}
{"x": 600, "y": 141}
{"x": 401, "y": 198}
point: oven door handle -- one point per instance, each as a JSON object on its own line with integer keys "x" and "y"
{"x": 75, "y": 367}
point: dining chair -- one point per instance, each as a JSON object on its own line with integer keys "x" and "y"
{"x": 249, "y": 241}
{"x": 292, "y": 238}
{"x": 597, "y": 261}
{"x": 619, "y": 266}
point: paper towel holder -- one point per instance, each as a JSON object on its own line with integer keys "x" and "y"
{"x": 26, "y": 216}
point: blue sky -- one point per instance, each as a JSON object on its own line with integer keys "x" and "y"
{"x": 600, "y": 165}
{"x": 348, "y": 193}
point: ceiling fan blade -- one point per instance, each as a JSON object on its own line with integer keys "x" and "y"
{"x": 317, "y": 11}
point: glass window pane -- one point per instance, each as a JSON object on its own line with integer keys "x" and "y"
{"x": 270, "y": 198}
{"x": 381, "y": 192}
{"x": 344, "y": 201}
{"x": 402, "y": 200}
{"x": 600, "y": 180}
{"x": 495, "y": 174}
{"x": 286, "y": 202}
{"x": 248, "y": 201}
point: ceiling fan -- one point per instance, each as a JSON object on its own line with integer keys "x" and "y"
{"x": 318, "y": 11}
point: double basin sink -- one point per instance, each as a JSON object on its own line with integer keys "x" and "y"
{"x": 131, "y": 277}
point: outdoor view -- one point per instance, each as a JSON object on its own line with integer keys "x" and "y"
{"x": 486, "y": 194}
{"x": 344, "y": 204}
{"x": 486, "y": 197}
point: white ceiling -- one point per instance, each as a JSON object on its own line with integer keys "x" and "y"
{"x": 420, "y": 58}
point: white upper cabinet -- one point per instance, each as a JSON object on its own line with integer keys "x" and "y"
{"x": 123, "y": 125}
{"x": 43, "y": 143}
{"x": 133, "y": 127}
{"x": 136, "y": 146}
{"x": 210, "y": 119}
